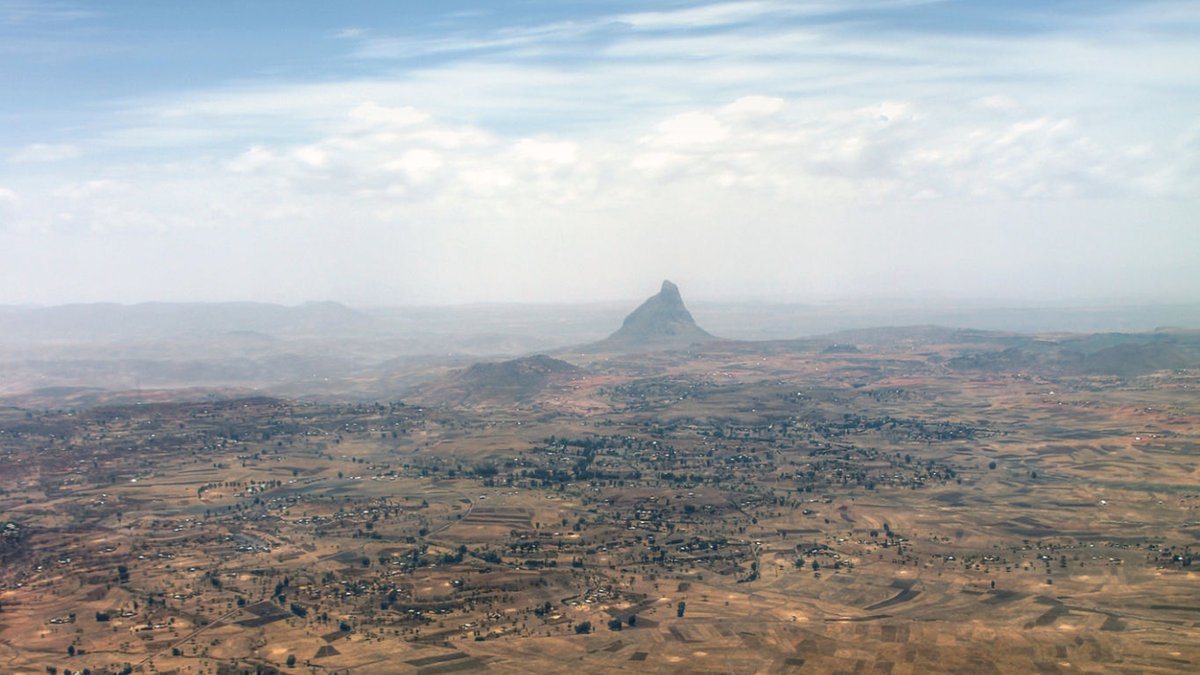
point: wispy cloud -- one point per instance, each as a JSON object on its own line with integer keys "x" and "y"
{"x": 718, "y": 14}
{"x": 26, "y": 13}
{"x": 45, "y": 152}
{"x": 607, "y": 68}
{"x": 578, "y": 36}
{"x": 47, "y": 30}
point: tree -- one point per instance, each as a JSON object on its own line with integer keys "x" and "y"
{"x": 614, "y": 623}
{"x": 583, "y": 628}
{"x": 291, "y": 660}
{"x": 631, "y": 620}
{"x": 679, "y": 608}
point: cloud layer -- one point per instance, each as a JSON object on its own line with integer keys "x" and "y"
{"x": 785, "y": 150}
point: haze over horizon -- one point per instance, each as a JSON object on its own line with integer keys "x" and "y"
{"x": 387, "y": 154}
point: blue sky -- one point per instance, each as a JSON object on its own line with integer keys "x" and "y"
{"x": 403, "y": 152}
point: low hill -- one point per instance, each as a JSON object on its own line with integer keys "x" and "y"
{"x": 1127, "y": 360}
{"x": 1120, "y": 354}
{"x": 516, "y": 380}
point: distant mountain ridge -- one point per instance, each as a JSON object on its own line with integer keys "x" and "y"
{"x": 156, "y": 320}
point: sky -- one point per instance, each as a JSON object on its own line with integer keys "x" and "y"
{"x": 417, "y": 153}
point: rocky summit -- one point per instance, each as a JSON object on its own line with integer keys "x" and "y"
{"x": 662, "y": 321}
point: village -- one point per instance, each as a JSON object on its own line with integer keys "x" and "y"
{"x": 273, "y": 535}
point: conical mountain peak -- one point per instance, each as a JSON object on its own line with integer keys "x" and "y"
{"x": 660, "y": 321}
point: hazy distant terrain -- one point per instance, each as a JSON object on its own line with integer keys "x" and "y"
{"x": 903, "y": 499}
{"x": 331, "y": 351}
{"x": 308, "y": 350}
{"x": 761, "y": 321}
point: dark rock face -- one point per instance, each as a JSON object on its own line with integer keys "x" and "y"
{"x": 661, "y": 321}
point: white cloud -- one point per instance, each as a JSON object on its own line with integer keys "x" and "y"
{"x": 89, "y": 189}
{"x": 755, "y": 139}
{"x": 311, "y": 156}
{"x": 731, "y": 13}
{"x": 753, "y": 149}
{"x": 702, "y": 15}
{"x": 1001, "y": 103}
{"x": 419, "y": 165}
{"x": 45, "y": 152}
{"x": 10, "y": 203}
{"x": 753, "y": 106}
{"x": 251, "y": 160}
{"x": 546, "y": 151}
{"x": 688, "y": 129}
{"x": 375, "y": 114}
